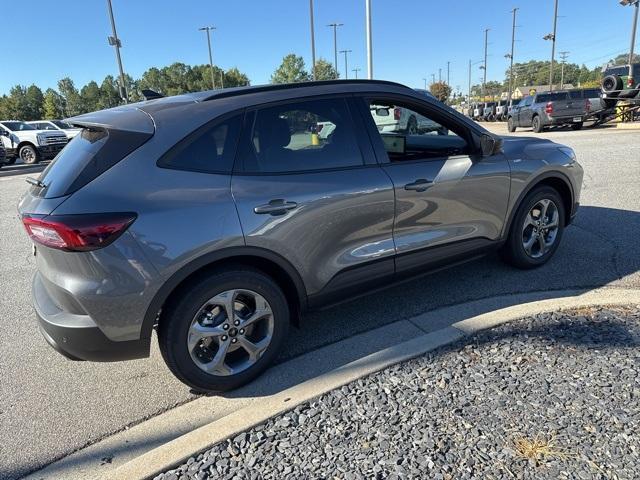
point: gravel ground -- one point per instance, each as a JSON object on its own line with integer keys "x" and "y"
{"x": 552, "y": 396}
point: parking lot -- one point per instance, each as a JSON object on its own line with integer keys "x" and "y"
{"x": 50, "y": 407}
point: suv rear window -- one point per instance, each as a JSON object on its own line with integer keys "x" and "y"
{"x": 88, "y": 155}
{"x": 551, "y": 97}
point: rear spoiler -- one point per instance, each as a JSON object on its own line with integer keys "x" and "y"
{"x": 127, "y": 118}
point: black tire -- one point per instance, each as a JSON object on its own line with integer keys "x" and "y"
{"x": 513, "y": 252}
{"x": 611, "y": 83}
{"x": 10, "y": 161}
{"x": 576, "y": 126}
{"x": 29, "y": 154}
{"x": 511, "y": 126}
{"x": 177, "y": 317}
{"x": 536, "y": 124}
{"x": 610, "y": 103}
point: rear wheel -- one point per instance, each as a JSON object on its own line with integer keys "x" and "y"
{"x": 29, "y": 155}
{"x": 536, "y": 229}
{"x": 536, "y": 124}
{"x": 224, "y": 330}
{"x": 511, "y": 126}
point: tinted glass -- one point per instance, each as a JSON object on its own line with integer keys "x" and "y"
{"x": 88, "y": 155}
{"x": 311, "y": 135}
{"x": 17, "y": 126}
{"x": 551, "y": 97}
{"x": 592, "y": 93}
{"x": 411, "y": 134}
{"x": 61, "y": 124}
{"x": 575, "y": 94}
{"x": 210, "y": 149}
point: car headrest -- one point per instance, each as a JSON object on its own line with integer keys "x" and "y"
{"x": 274, "y": 132}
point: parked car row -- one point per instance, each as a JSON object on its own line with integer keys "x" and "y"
{"x": 33, "y": 141}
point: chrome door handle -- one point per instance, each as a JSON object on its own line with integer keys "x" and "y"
{"x": 420, "y": 185}
{"x": 275, "y": 207}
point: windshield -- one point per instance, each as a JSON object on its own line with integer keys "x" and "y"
{"x": 61, "y": 124}
{"x": 17, "y": 126}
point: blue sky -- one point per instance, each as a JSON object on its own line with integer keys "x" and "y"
{"x": 412, "y": 38}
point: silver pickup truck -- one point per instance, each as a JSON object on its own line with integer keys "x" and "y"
{"x": 546, "y": 109}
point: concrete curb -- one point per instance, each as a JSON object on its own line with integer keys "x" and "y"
{"x": 495, "y": 311}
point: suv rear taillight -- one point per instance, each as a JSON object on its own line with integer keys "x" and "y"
{"x": 630, "y": 82}
{"x": 549, "y": 108}
{"x": 77, "y": 233}
{"x": 396, "y": 113}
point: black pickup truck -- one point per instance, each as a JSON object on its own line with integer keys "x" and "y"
{"x": 548, "y": 109}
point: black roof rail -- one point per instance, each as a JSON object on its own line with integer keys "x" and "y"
{"x": 234, "y": 91}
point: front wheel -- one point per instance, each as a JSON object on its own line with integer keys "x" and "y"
{"x": 224, "y": 330}
{"x": 536, "y": 229}
{"x": 511, "y": 126}
{"x": 29, "y": 155}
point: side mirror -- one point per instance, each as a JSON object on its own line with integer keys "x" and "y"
{"x": 490, "y": 145}
{"x": 382, "y": 112}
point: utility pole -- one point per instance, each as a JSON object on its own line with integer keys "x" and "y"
{"x": 563, "y": 56}
{"x": 510, "y": 56}
{"x": 552, "y": 37}
{"x": 433, "y": 78}
{"x": 355, "y": 71}
{"x": 631, "y": 81}
{"x": 469, "y": 95}
{"x": 313, "y": 41}
{"x": 448, "y": 71}
{"x": 116, "y": 43}
{"x": 208, "y": 29}
{"x": 369, "y": 42}
{"x": 425, "y": 83}
{"x": 346, "y": 65}
{"x": 484, "y": 67}
{"x": 335, "y": 43}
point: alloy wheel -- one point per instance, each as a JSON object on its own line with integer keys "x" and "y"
{"x": 540, "y": 228}
{"x": 230, "y": 332}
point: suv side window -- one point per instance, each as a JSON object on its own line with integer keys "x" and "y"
{"x": 410, "y": 133}
{"x": 209, "y": 149}
{"x": 299, "y": 136}
{"x": 527, "y": 102}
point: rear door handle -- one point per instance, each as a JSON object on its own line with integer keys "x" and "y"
{"x": 420, "y": 185}
{"x": 275, "y": 207}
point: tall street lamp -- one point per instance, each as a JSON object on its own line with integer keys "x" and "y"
{"x": 355, "y": 71}
{"x": 208, "y": 29}
{"x": 116, "y": 43}
{"x": 335, "y": 43}
{"x": 369, "y": 42}
{"x": 313, "y": 41}
{"x": 346, "y": 64}
{"x": 636, "y": 3}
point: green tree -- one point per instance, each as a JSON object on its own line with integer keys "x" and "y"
{"x": 90, "y": 97}
{"x": 235, "y": 78}
{"x": 325, "y": 70}
{"x": 623, "y": 59}
{"x": 72, "y": 101}
{"x": 109, "y": 96}
{"x": 16, "y": 105}
{"x": 291, "y": 70}
{"x": 34, "y": 101}
{"x": 440, "y": 90}
{"x": 52, "y": 104}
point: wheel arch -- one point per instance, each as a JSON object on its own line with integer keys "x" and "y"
{"x": 25, "y": 143}
{"x": 272, "y": 264}
{"x": 556, "y": 180}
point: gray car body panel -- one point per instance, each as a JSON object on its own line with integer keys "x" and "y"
{"x": 346, "y": 219}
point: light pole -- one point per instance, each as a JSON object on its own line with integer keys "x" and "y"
{"x": 335, "y": 43}
{"x": 369, "y": 42}
{"x": 433, "y": 78}
{"x": 552, "y": 37}
{"x": 208, "y": 29}
{"x": 116, "y": 43}
{"x": 563, "y": 56}
{"x": 510, "y": 56}
{"x": 425, "y": 83}
{"x": 636, "y": 3}
{"x": 484, "y": 67}
{"x": 448, "y": 71}
{"x": 355, "y": 71}
{"x": 313, "y": 41}
{"x": 346, "y": 65}
{"x": 439, "y": 75}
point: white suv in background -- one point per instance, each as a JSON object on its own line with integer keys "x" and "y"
{"x": 59, "y": 125}
{"x": 31, "y": 145}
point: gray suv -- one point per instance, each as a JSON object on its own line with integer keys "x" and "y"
{"x": 548, "y": 109}
{"x": 218, "y": 218}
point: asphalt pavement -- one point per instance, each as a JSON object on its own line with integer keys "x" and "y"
{"x": 50, "y": 407}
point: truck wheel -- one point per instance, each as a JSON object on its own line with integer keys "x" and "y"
{"x": 29, "y": 155}
{"x": 224, "y": 329}
{"x": 537, "y": 124}
{"x": 511, "y": 125}
{"x": 576, "y": 126}
{"x": 536, "y": 229}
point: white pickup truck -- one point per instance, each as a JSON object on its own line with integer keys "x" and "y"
{"x": 56, "y": 125}
{"x": 31, "y": 145}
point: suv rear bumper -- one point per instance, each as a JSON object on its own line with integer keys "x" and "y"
{"x": 77, "y": 337}
{"x": 564, "y": 120}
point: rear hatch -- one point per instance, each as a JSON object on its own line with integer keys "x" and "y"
{"x": 107, "y": 137}
{"x": 559, "y": 104}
